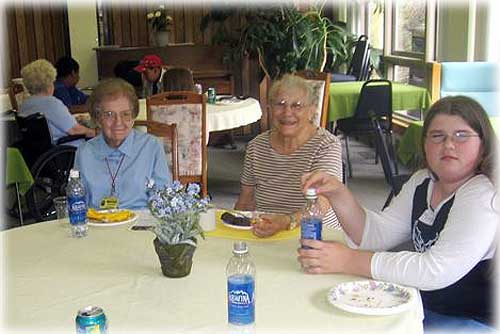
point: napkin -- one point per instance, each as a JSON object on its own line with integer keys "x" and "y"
{"x": 223, "y": 231}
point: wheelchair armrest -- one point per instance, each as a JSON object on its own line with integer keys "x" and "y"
{"x": 68, "y": 139}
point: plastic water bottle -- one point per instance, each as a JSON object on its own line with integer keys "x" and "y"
{"x": 240, "y": 273}
{"x": 77, "y": 206}
{"x": 312, "y": 219}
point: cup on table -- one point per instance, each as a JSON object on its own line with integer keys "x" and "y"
{"x": 61, "y": 205}
{"x": 207, "y": 220}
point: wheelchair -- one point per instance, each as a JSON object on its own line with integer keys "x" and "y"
{"x": 49, "y": 164}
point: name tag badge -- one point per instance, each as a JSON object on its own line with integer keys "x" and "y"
{"x": 427, "y": 217}
{"x": 109, "y": 202}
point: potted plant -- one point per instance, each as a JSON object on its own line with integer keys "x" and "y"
{"x": 160, "y": 24}
{"x": 282, "y": 38}
{"x": 177, "y": 211}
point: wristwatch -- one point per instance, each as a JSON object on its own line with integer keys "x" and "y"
{"x": 293, "y": 222}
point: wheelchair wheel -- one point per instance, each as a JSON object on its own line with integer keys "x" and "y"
{"x": 50, "y": 173}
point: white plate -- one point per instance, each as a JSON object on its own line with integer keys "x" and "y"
{"x": 100, "y": 223}
{"x": 247, "y": 214}
{"x": 370, "y": 297}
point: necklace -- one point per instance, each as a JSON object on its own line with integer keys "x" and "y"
{"x": 113, "y": 177}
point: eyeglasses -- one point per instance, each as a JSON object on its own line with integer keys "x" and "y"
{"x": 295, "y": 106}
{"x": 457, "y": 136}
{"x": 126, "y": 115}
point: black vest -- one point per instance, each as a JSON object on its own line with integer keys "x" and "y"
{"x": 472, "y": 295}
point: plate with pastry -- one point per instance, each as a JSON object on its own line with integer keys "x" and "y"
{"x": 111, "y": 217}
{"x": 239, "y": 220}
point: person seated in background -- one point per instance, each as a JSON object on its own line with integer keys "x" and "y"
{"x": 276, "y": 159}
{"x": 68, "y": 75}
{"x": 152, "y": 71}
{"x": 38, "y": 77}
{"x": 116, "y": 165}
{"x": 178, "y": 79}
{"x": 446, "y": 209}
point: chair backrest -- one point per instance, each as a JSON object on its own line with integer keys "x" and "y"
{"x": 375, "y": 97}
{"x": 383, "y": 151}
{"x": 321, "y": 87}
{"x": 360, "y": 63}
{"x": 168, "y": 135}
{"x": 17, "y": 94}
{"x": 477, "y": 80}
{"x": 35, "y": 136}
{"x": 188, "y": 111}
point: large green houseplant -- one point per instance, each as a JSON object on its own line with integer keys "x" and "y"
{"x": 282, "y": 38}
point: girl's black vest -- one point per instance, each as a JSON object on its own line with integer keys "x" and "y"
{"x": 472, "y": 295}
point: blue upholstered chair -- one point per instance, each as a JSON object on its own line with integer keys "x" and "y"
{"x": 477, "y": 80}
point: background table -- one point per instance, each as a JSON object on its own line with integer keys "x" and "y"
{"x": 223, "y": 116}
{"x": 48, "y": 276}
{"x": 409, "y": 150}
{"x": 344, "y": 98}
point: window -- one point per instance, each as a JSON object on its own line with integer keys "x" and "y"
{"x": 375, "y": 29}
{"x": 408, "y": 28}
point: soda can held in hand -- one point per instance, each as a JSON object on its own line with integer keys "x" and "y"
{"x": 91, "y": 319}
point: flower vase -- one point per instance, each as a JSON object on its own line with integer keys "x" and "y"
{"x": 162, "y": 38}
{"x": 176, "y": 260}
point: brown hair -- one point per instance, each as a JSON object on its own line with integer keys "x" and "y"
{"x": 111, "y": 89}
{"x": 178, "y": 79}
{"x": 475, "y": 116}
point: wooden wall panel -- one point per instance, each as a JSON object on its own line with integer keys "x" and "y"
{"x": 36, "y": 31}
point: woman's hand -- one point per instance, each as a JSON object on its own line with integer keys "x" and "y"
{"x": 270, "y": 224}
{"x": 325, "y": 184}
{"x": 325, "y": 257}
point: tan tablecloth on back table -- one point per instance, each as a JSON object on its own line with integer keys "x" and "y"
{"x": 48, "y": 276}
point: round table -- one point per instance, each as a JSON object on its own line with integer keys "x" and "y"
{"x": 224, "y": 115}
{"x": 48, "y": 276}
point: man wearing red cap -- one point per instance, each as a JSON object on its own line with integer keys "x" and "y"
{"x": 151, "y": 68}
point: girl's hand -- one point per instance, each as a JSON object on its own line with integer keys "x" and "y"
{"x": 325, "y": 257}
{"x": 325, "y": 184}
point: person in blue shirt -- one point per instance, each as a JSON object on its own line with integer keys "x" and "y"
{"x": 119, "y": 162}
{"x": 68, "y": 75}
{"x": 38, "y": 78}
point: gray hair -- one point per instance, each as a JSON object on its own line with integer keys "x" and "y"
{"x": 288, "y": 81}
{"x": 38, "y": 76}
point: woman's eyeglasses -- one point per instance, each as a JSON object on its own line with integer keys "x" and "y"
{"x": 282, "y": 105}
{"x": 126, "y": 116}
{"x": 456, "y": 137}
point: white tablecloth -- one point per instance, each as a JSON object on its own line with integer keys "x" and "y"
{"x": 48, "y": 276}
{"x": 223, "y": 115}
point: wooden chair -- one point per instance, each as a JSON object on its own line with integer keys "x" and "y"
{"x": 17, "y": 94}
{"x": 321, "y": 86}
{"x": 168, "y": 135}
{"x": 188, "y": 111}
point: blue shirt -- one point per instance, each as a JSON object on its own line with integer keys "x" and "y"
{"x": 69, "y": 95}
{"x": 143, "y": 159}
{"x": 57, "y": 114}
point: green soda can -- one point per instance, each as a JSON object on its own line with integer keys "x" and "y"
{"x": 212, "y": 96}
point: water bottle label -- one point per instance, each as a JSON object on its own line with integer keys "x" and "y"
{"x": 77, "y": 210}
{"x": 311, "y": 228}
{"x": 241, "y": 299}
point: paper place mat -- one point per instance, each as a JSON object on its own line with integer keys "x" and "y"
{"x": 222, "y": 231}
